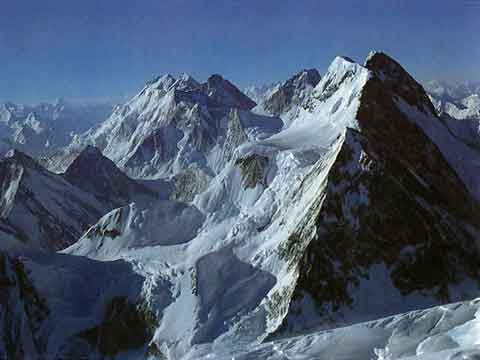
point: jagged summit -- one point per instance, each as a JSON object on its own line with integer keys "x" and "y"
{"x": 164, "y": 129}
{"x": 163, "y": 82}
{"x": 219, "y": 91}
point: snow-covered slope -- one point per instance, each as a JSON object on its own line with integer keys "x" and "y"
{"x": 285, "y": 99}
{"x": 448, "y": 91}
{"x": 132, "y": 227}
{"x": 42, "y": 129}
{"x": 443, "y": 332}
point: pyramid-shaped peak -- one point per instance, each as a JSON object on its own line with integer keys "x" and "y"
{"x": 225, "y": 93}
{"x": 89, "y": 161}
{"x": 379, "y": 61}
{"x": 398, "y": 80}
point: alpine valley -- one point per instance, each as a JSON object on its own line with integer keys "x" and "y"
{"x": 328, "y": 216}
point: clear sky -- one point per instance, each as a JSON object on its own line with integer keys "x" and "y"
{"x": 97, "y": 49}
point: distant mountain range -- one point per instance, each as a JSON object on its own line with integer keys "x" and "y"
{"x": 44, "y": 128}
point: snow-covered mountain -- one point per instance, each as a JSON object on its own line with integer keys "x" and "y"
{"x": 455, "y": 91}
{"x": 173, "y": 126}
{"x": 363, "y": 206}
{"x": 258, "y": 92}
{"x": 42, "y": 129}
{"x": 459, "y": 107}
{"x": 43, "y": 210}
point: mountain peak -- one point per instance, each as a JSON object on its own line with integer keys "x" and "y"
{"x": 91, "y": 171}
{"x": 379, "y": 61}
{"x": 88, "y": 162}
{"x": 215, "y": 78}
{"x": 163, "y": 82}
{"x": 186, "y": 82}
{"x": 223, "y": 91}
{"x": 398, "y": 80}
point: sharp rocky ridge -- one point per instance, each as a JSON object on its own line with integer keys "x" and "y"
{"x": 336, "y": 200}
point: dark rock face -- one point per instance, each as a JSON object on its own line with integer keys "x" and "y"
{"x": 399, "y": 81}
{"x": 391, "y": 199}
{"x": 223, "y": 92}
{"x": 292, "y": 92}
{"x": 253, "y": 169}
{"x": 126, "y": 326}
{"x": 188, "y": 184}
{"x": 98, "y": 175}
{"x": 22, "y": 312}
{"x": 30, "y": 321}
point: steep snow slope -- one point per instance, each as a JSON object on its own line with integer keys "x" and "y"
{"x": 329, "y": 110}
{"x": 42, "y": 129}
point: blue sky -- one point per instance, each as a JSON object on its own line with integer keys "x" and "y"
{"x": 100, "y": 49}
